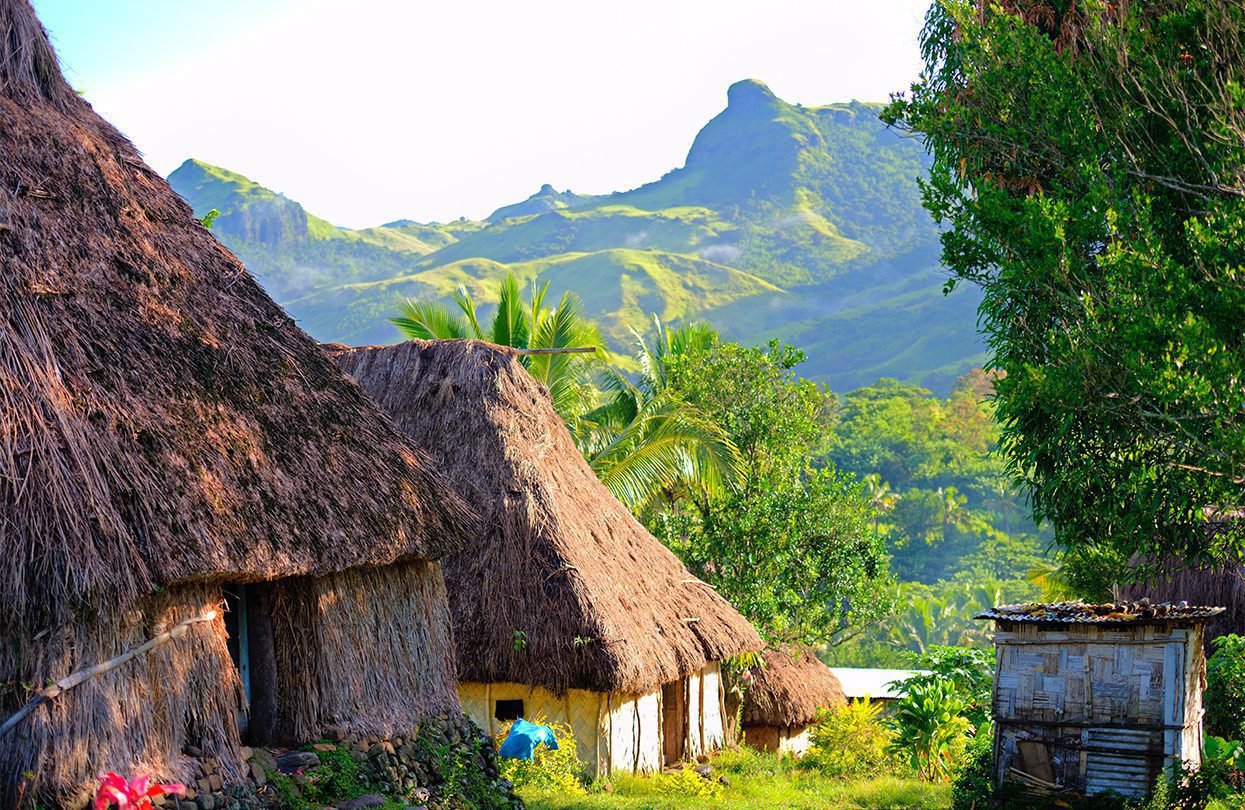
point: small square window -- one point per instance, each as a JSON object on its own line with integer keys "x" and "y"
{"x": 508, "y": 709}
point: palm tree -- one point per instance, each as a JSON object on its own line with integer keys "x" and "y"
{"x": 882, "y": 498}
{"x": 521, "y": 325}
{"x": 646, "y": 443}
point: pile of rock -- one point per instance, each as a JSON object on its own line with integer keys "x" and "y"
{"x": 208, "y": 790}
{"x": 411, "y": 769}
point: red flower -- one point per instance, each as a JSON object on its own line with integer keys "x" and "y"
{"x": 133, "y": 795}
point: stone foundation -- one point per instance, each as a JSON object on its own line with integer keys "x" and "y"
{"x": 448, "y": 763}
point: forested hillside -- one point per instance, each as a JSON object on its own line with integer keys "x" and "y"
{"x": 790, "y": 222}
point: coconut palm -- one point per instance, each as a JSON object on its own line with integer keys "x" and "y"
{"x": 521, "y": 325}
{"x": 646, "y": 443}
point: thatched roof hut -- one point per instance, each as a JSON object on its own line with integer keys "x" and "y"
{"x": 783, "y": 700}
{"x": 1210, "y": 584}
{"x": 567, "y": 591}
{"x": 165, "y": 427}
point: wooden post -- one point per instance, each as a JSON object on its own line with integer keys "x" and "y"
{"x": 261, "y": 648}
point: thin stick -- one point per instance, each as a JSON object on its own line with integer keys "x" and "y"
{"x": 581, "y": 350}
{"x": 70, "y": 681}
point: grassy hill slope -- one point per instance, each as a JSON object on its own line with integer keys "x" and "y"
{"x": 801, "y": 223}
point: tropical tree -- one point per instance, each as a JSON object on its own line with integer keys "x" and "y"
{"x": 1089, "y": 168}
{"x": 527, "y": 325}
{"x": 791, "y": 544}
{"x": 646, "y": 442}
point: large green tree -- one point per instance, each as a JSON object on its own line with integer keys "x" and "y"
{"x": 792, "y": 546}
{"x": 1089, "y": 167}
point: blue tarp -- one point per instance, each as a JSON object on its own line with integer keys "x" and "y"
{"x": 523, "y": 738}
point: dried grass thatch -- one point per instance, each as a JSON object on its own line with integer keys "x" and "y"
{"x": 567, "y": 589}
{"x": 368, "y": 650}
{"x": 1222, "y": 585}
{"x": 1216, "y": 585}
{"x": 161, "y": 419}
{"x": 789, "y": 690}
{"x": 138, "y": 717}
{"x": 164, "y": 427}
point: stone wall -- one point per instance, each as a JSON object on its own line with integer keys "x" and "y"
{"x": 448, "y": 763}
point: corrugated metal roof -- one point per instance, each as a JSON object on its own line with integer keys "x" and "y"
{"x": 857, "y": 682}
{"x": 1142, "y": 612}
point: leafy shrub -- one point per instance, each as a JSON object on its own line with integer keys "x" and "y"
{"x": 686, "y": 783}
{"x": 337, "y": 777}
{"x": 972, "y": 787}
{"x": 551, "y": 771}
{"x": 930, "y": 729}
{"x": 967, "y": 671}
{"x": 1225, "y": 688}
{"x": 849, "y": 741}
{"x": 1216, "y": 785}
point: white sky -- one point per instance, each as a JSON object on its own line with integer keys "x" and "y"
{"x": 373, "y": 110}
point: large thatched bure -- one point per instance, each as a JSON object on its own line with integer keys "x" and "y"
{"x": 783, "y": 700}
{"x": 1096, "y": 698}
{"x": 569, "y": 608}
{"x": 169, "y": 438}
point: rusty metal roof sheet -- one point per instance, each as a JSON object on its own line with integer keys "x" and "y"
{"x": 1140, "y": 612}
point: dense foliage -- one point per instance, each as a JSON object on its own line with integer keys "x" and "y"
{"x": 1089, "y": 165}
{"x": 972, "y": 783}
{"x": 960, "y": 538}
{"x": 790, "y": 545}
{"x": 945, "y": 503}
{"x": 1225, "y": 688}
{"x": 940, "y": 711}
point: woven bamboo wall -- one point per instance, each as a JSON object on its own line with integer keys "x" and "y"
{"x": 1096, "y": 708}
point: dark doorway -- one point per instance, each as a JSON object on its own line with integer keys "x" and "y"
{"x": 248, "y": 621}
{"x": 507, "y": 710}
{"x": 673, "y": 721}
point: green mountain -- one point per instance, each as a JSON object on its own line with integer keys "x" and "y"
{"x": 801, "y": 223}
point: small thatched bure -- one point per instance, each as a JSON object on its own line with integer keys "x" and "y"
{"x": 789, "y": 689}
{"x": 165, "y": 428}
{"x": 601, "y": 604}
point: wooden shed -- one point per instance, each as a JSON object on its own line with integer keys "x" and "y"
{"x": 1091, "y": 698}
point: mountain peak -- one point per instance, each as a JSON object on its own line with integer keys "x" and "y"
{"x": 547, "y": 199}
{"x": 749, "y": 92}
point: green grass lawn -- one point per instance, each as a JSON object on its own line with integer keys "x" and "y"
{"x": 756, "y": 781}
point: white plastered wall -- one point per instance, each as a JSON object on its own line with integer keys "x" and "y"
{"x": 614, "y": 733}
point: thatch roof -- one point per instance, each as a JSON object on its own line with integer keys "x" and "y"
{"x": 599, "y": 602}
{"x": 161, "y": 419}
{"x": 789, "y": 689}
{"x": 1209, "y": 585}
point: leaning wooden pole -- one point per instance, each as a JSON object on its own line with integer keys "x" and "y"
{"x": 577, "y": 350}
{"x": 70, "y": 681}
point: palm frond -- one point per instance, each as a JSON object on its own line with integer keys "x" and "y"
{"x": 668, "y": 446}
{"x": 462, "y": 297}
{"x": 428, "y": 320}
{"x": 564, "y": 374}
{"x": 510, "y": 322}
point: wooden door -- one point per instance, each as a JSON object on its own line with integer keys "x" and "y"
{"x": 673, "y": 721}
